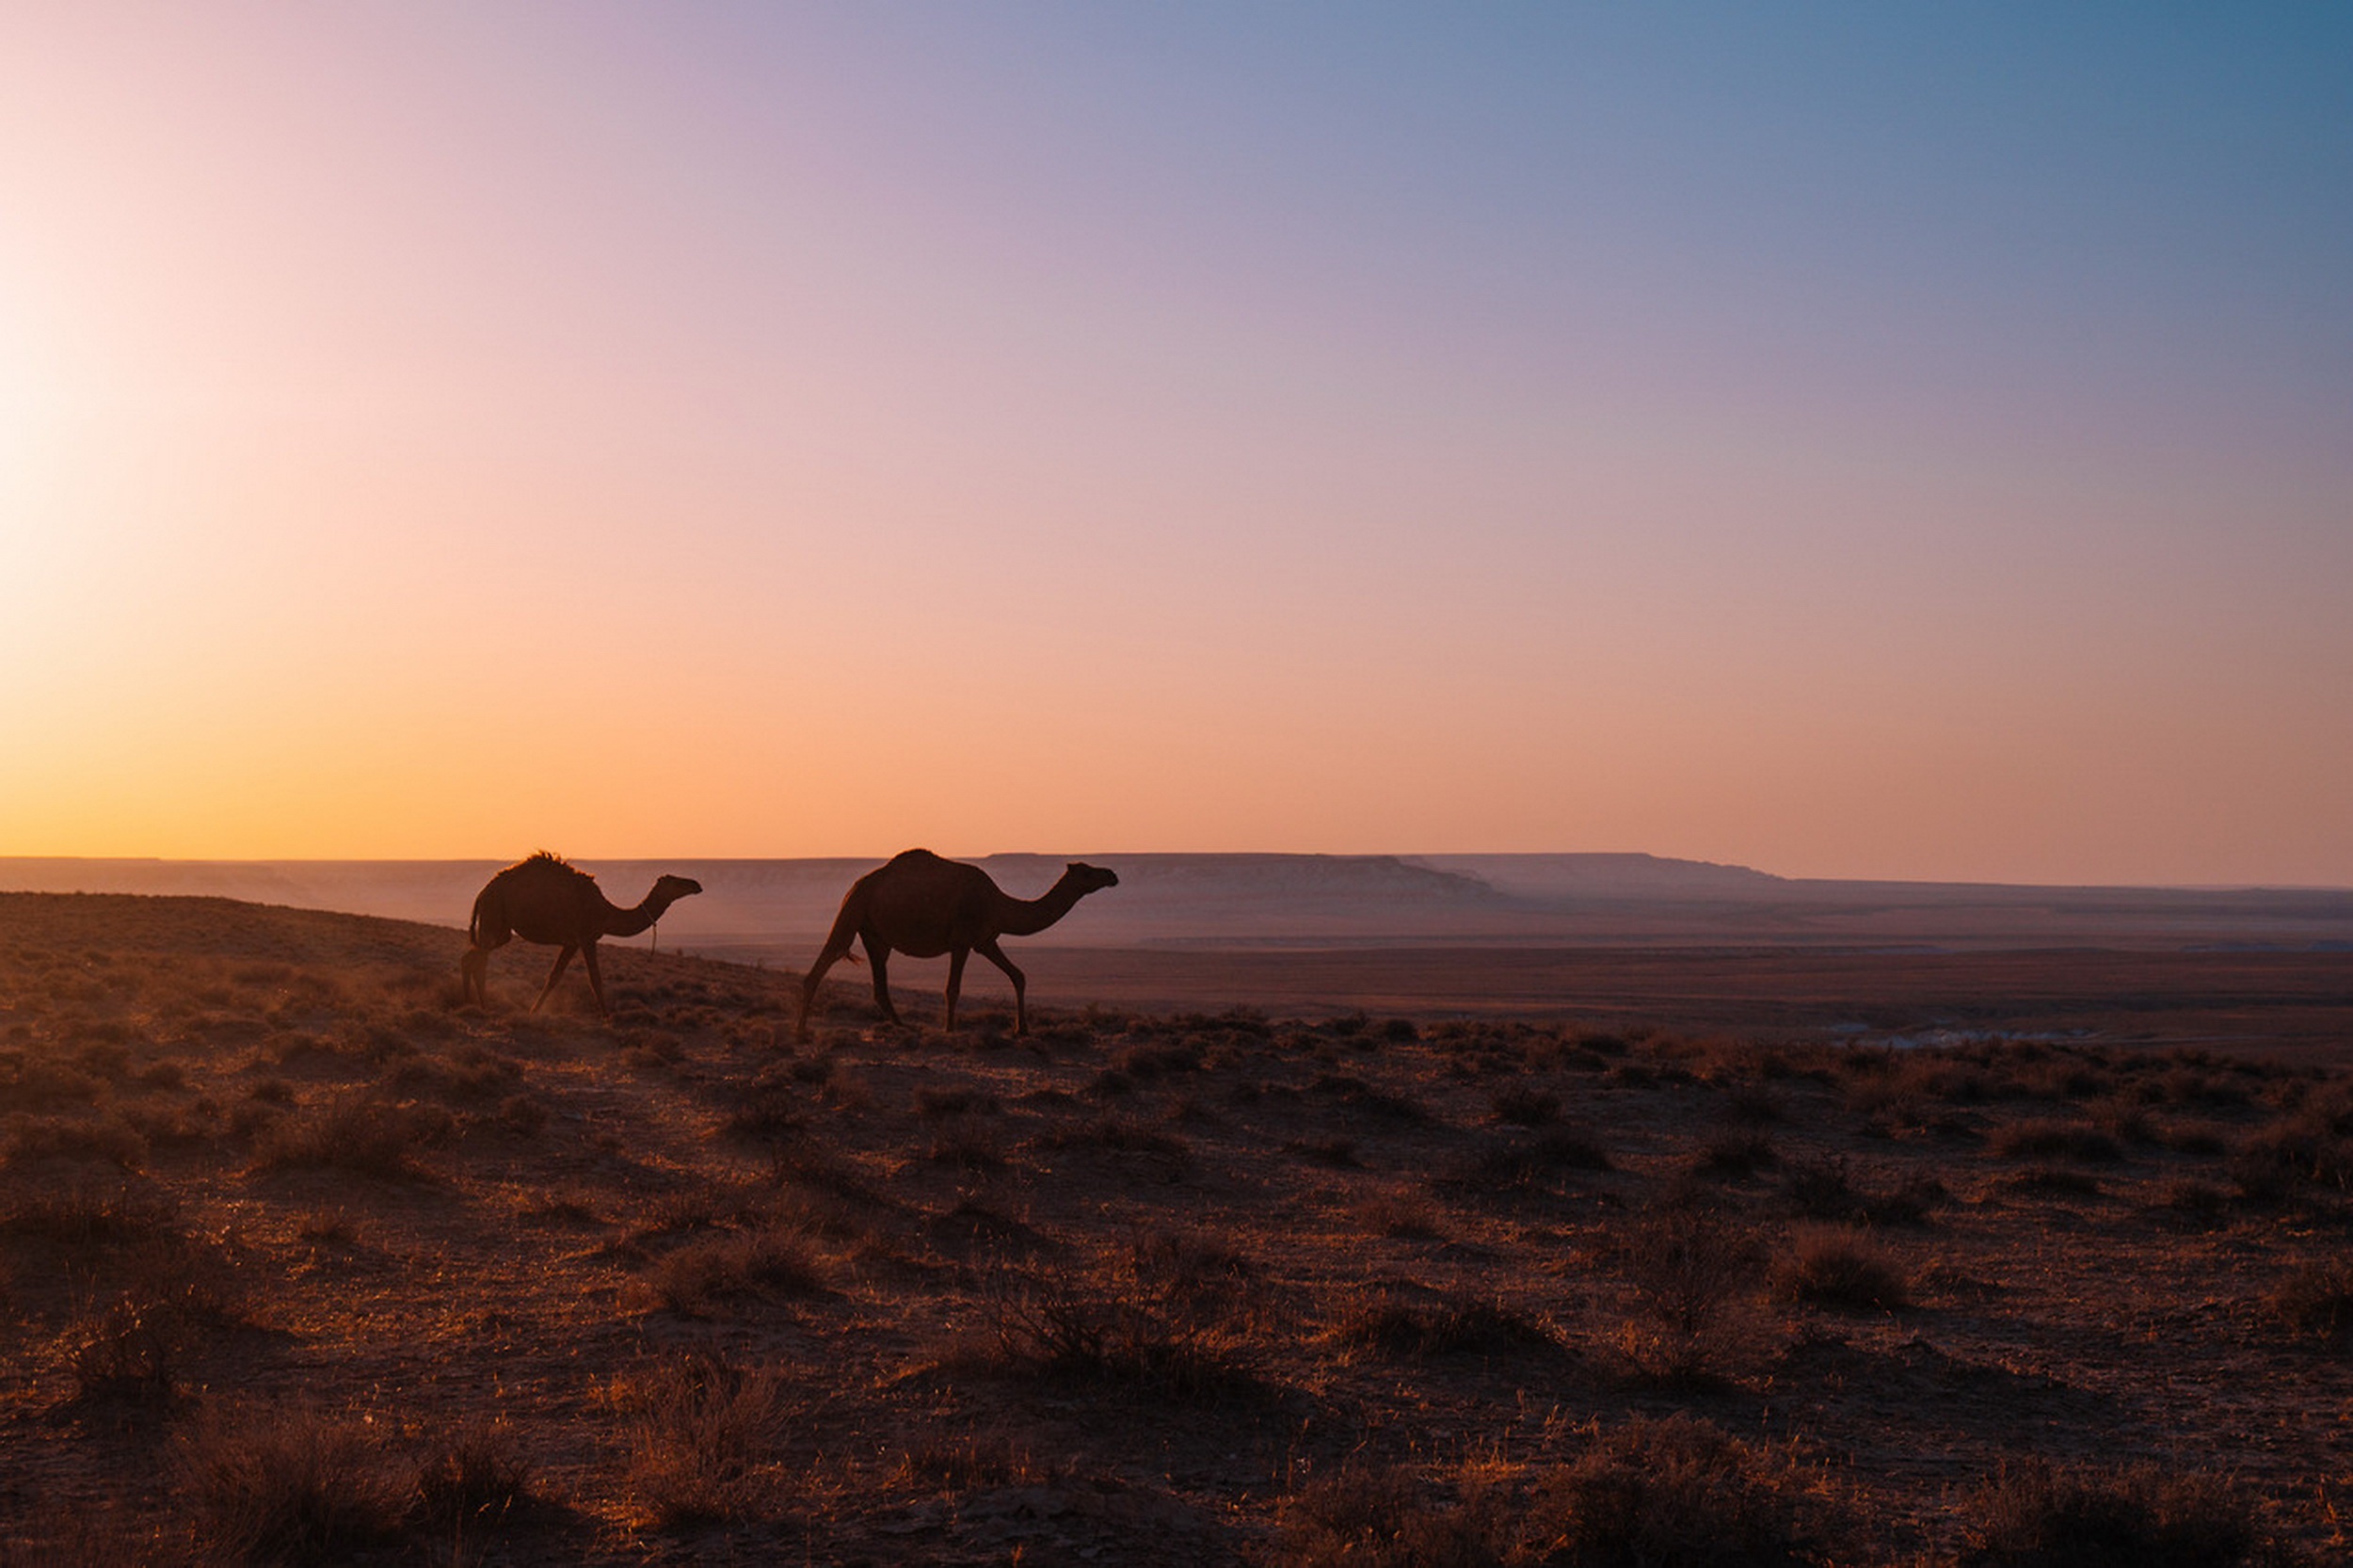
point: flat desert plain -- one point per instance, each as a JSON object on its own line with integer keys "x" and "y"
{"x": 302, "y": 1260}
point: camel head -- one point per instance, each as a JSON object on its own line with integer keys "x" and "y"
{"x": 1090, "y": 879}
{"x": 668, "y": 889}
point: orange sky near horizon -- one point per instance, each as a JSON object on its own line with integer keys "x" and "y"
{"x": 443, "y": 431}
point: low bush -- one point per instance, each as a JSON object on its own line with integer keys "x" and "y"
{"x": 2317, "y": 1300}
{"x": 2055, "y": 1139}
{"x": 1836, "y": 1268}
{"x": 1388, "y": 1324}
{"x": 362, "y": 1133}
{"x": 274, "y": 1483}
{"x": 704, "y": 1276}
{"x": 1679, "y": 1492}
{"x": 702, "y": 1437}
{"x": 2036, "y": 1515}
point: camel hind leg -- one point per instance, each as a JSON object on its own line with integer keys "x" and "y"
{"x": 836, "y": 948}
{"x": 596, "y": 978}
{"x": 563, "y": 962}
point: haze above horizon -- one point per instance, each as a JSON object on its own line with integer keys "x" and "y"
{"x": 1909, "y": 444}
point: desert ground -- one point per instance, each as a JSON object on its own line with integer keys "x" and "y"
{"x": 1730, "y": 1257}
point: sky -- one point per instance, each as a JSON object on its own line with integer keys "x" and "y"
{"x": 1847, "y": 440}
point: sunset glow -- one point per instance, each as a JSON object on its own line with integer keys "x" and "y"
{"x": 1850, "y": 444}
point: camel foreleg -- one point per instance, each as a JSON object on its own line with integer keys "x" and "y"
{"x": 955, "y": 979}
{"x": 878, "y": 960}
{"x": 995, "y": 954}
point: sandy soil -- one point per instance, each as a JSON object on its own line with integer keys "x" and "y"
{"x": 1189, "y": 1286}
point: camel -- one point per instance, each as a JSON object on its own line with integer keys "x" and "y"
{"x": 546, "y": 901}
{"x": 923, "y": 906}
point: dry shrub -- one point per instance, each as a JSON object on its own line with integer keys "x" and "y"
{"x": 1734, "y": 1154}
{"x": 2042, "y": 1138}
{"x": 1525, "y": 1164}
{"x": 79, "y": 1216}
{"x": 2054, "y": 1180}
{"x": 2036, "y": 1515}
{"x": 704, "y": 1276}
{"x": 2197, "y": 1200}
{"x": 1402, "y": 1214}
{"x": 1163, "y": 1154}
{"x": 1524, "y": 1107}
{"x": 958, "y": 1100}
{"x": 37, "y": 1083}
{"x": 1145, "y": 1063}
{"x": 1677, "y": 1492}
{"x": 1694, "y": 1274}
{"x": 973, "y": 1461}
{"x": 1831, "y": 1267}
{"x": 1387, "y": 1324}
{"x": 1338, "y": 1153}
{"x": 362, "y": 1133}
{"x": 472, "y": 1475}
{"x": 702, "y": 1437}
{"x": 2315, "y": 1146}
{"x": 110, "y": 1137}
{"x": 471, "y": 1073}
{"x": 524, "y": 1116}
{"x": 274, "y": 1483}
{"x": 2317, "y": 1300}
{"x": 1139, "y": 1326}
{"x": 1821, "y": 1188}
{"x": 1378, "y": 1516}
{"x": 773, "y": 1107}
{"x": 126, "y": 1351}
{"x": 1361, "y": 1099}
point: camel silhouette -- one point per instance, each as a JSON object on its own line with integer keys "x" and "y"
{"x": 923, "y": 906}
{"x": 545, "y": 899}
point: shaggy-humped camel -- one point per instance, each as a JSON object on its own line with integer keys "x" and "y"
{"x": 546, "y": 901}
{"x": 923, "y": 906}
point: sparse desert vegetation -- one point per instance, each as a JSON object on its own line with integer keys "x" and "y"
{"x": 303, "y": 1259}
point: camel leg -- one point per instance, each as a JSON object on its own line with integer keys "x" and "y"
{"x": 563, "y": 962}
{"x": 596, "y": 979}
{"x": 878, "y": 957}
{"x": 995, "y": 954}
{"x": 955, "y": 979}
{"x": 836, "y": 949}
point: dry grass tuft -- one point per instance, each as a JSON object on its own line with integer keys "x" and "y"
{"x": 361, "y": 1133}
{"x": 711, "y": 1274}
{"x": 1694, "y": 1274}
{"x": 702, "y": 1437}
{"x": 2040, "y": 1139}
{"x": 1389, "y": 1324}
{"x": 1678, "y": 1492}
{"x": 2034, "y": 1515}
{"x": 1832, "y": 1267}
{"x": 1379, "y": 1516}
{"x": 2317, "y": 1300}
{"x": 290, "y": 1483}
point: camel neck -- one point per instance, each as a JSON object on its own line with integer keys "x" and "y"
{"x": 1028, "y": 917}
{"x": 629, "y": 923}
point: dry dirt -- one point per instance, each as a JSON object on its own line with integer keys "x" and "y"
{"x": 300, "y": 1259}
